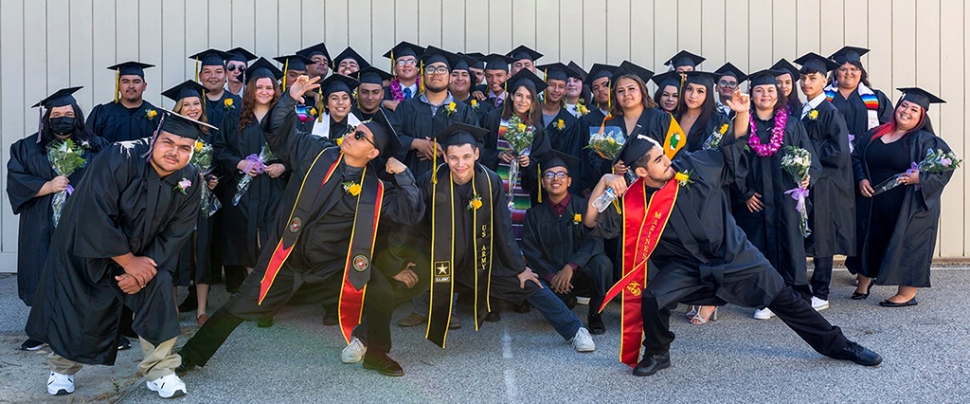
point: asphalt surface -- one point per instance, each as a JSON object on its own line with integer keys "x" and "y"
{"x": 926, "y": 350}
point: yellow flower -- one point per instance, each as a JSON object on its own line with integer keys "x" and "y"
{"x": 577, "y": 218}
{"x": 583, "y": 110}
{"x": 610, "y": 139}
{"x": 813, "y": 114}
{"x": 560, "y": 124}
{"x": 227, "y": 102}
{"x": 521, "y": 127}
{"x": 151, "y": 114}
{"x": 313, "y": 111}
{"x": 681, "y": 177}
{"x": 474, "y": 103}
{"x": 724, "y": 128}
{"x": 198, "y": 146}
{"x": 353, "y": 189}
{"x": 340, "y": 140}
{"x": 476, "y": 203}
{"x": 451, "y": 105}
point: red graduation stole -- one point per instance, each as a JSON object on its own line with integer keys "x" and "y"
{"x": 357, "y": 265}
{"x": 643, "y": 223}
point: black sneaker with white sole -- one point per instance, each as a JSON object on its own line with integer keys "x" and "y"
{"x": 32, "y": 345}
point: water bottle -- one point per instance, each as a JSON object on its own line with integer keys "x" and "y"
{"x": 604, "y": 201}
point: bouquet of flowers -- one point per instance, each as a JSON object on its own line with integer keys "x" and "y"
{"x": 936, "y": 162}
{"x": 519, "y": 136}
{"x": 65, "y": 158}
{"x": 202, "y": 160}
{"x": 796, "y": 162}
{"x": 607, "y": 142}
{"x": 714, "y": 140}
{"x": 257, "y": 162}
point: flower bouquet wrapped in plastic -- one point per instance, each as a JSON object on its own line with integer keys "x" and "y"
{"x": 936, "y": 161}
{"x": 255, "y": 162}
{"x": 796, "y": 162}
{"x": 65, "y": 158}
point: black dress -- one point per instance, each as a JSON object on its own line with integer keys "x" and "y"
{"x": 885, "y": 161}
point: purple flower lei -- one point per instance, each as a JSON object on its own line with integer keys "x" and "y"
{"x": 397, "y": 93}
{"x": 777, "y": 136}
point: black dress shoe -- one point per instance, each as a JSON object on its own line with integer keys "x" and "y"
{"x": 493, "y": 317}
{"x": 863, "y": 296}
{"x": 650, "y": 364}
{"x": 190, "y": 304}
{"x": 910, "y": 302}
{"x": 185, "y": 367}
{"x": 383, "y": 364}
{"x": 123, "y": 344}
{"x": 595, "y": 324}
{"x": 265, "y": 322}
{"x": 32, "y": 345}
{"x": 858, "y": 354}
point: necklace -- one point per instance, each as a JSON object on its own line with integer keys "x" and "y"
{"x": 777, "y": 135}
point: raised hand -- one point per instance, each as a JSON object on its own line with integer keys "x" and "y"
{"x": 394, "y": 166}
{"x": 301, "y": 85}
{"x": 739, "y": 102}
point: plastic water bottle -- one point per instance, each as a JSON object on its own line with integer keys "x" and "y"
{"x": 604, "y": 201}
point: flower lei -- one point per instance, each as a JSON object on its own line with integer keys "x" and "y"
{"x": 397, "y": 93}
{"x": 777, "y": 135}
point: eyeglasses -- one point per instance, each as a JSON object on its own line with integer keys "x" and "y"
{"x": 406, "y": 62}
{"x": 725, "y": 83}
{"x": 234, "y": 67}
{"x": 358, "y": 135}
{"x": 559, "y": 175}
{"x": 440, "y": 70}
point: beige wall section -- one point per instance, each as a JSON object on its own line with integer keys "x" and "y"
{"x": 46, "y": 45}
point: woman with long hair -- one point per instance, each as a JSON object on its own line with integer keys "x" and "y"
{"x": 761, "y": 206}
{"x": 240, "y": 148}
{"x": 786, "y": 80}
{"x": 32, "y": 184}
{"x": 897, "y": 228}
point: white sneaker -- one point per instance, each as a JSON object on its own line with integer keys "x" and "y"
{"x": 819, "y": 304}
{"x": 354, "y": 352}
{"x": 763, "y": 314}
{"x": 582, "y": 341}
{"x": 167, "y": 386}
{"x": 582, "y": 301}
{"x": 59, "y": 384}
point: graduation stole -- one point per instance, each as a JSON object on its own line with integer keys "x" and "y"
{"x": 643, "y": 222}
{"x": 868, "y": 97}
{"x": 357, "y": 265}
{"x": 674, "y": 140}
{"x": 443, "y": 249}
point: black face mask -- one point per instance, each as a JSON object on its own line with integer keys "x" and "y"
{"x": 62, "y": 125}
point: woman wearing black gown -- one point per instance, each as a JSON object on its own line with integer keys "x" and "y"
{"x": 897, "y": 229}
{"x": 32, "y": 184}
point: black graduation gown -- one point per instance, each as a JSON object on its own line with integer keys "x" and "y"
{"x": 832, "y": 218}
{"x": 415, "y": 120}
{"x": 366, "y": 117}
{"x": 244, "y": 228}
{"x": 775, "y": 230}
{"x": 27, "y": 171}
{"x": 115, "y": 123}
{"x": 481, "y": 108}
{"x": 216, "y": 111}
{"x": 909, "y": 253}
{"x": 594, "y": 118}
{"x": 652, "y": 122}
{"x": 489, "y": 155}
{"x": 703, "y": 256}
{"x": 857, "y": 115}
{"x": 549, "y": 241}
{"x": 571, "y": 140}
{"x": 702, "y": 131}
{"x": 121, "y": 206}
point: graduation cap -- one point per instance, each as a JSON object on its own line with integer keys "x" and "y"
{"x": 635, "y": 147}
{"x": 337, "y": 83}
{"x": 60, "y": 98}
{"x": 730, "y": 70}
{"x": 555, "y": 158}
{"x": 385, "y": 138}
{"x": 241, "y": 55}
{"x": 523, "y": 52}
{"x": 670, "y": 78}
{"x": 527, "y": 78}
{"x": 920, "y": 97}
{"x": 558, "y": 71}
{"x": 458, "y": 134}
{"x": 403, "y": 48}
{"x": 350, "y": 53}
{"x": 479, "y": 60}
{"x": 310, "y": 52}
{"x": 702, "y": 78}
{"x": 578, "y": 69}
{"x": 372, "y": 75}
{"x": 763, "y": 77}
{"x": 461, "y": 61}
{"x": 181, "y": 125}
{"x": 130, "y": 68}
{"x": 684, "y": 58}
{"x": 848, "y": 54}
{"x": 816, "y": 62}
{"x": 784, "y": 66}
{"x": 187, "y": 88}
{"x": 599, "y": 71}
{"x": 263, "y": 69}
{"x": 497, "y": 62}
{"x": 629, "y": 67}
{"x": 211, "y": 57}
{"x": 293, "y": 62}
{"x": 433, "y": 54}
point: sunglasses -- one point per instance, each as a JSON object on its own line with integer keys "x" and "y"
{"x": 234, "y": 68}
{"x": 358, "y": 135}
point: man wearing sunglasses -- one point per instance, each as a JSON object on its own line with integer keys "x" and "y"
{"x": 323, "y": 242}
{"x": 235, "y": 69}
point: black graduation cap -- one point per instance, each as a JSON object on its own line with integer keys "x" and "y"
{"x": 181, "y": 125}
{"x": 702, "y": 78}
{"x": 188, "y": 88}
{"x": 848, "y": 54}
{"x": 318, "y": 49}
{"x": 558, "y": 71}
{"x": 523, "y": 52}
{"x": 350, "y": 53}
{"x": 130, "y": 68}
{"x": 293, "y": 62}
{"x": 783, "y": 65}
{"x": 337, "y": 83}
{"x": 241, "y": 55}
{"x": 816, "y": 62}
{"x": 404, "y": 48}
{"x": 684, "y": 58}
{"x": 599, "y": 71}
{"x": 211, "y": 57}
{"x": 628, "y": 67}
{"x": 437, "y": 55}
{"x": 665, "y": 79}
{"x": 578, "y": 69}
{"x": 763, "y": 77}
{"x": 635, "y": 147}
{"x": 555, "y": 158}
{"x": 60, "y": 98}
{"x": 462, "y": 61}
{"x": 372, "y": 75}
{"x": 526, "y": 77}
{"x": 497, "y": 62}
{"x": 263, "y": 68}
{"x": 920, "y": 96}
{"x": 479, "y": 59}
{"x": 730, "y": 70}
{"x": 385, "y": 138}
{"x": 458, "y": 134}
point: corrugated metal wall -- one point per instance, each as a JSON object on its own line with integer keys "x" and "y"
{"x": 46, "y": 45}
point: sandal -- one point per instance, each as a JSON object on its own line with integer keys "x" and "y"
{"x": 693, "y": 312}
{"x": 698, "y": 320}
{"x": 201, "y": 319}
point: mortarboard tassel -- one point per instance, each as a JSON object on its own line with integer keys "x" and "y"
{"x": 117, "y": 83}
{"x": 320, "y": 105}
{"x": 196, "y": 69}
{"x": 393, "y": 63}
{"x": 286, "y": 67}
{"x": 539, "y": 180}
{"x": 151, "y": 145}
{"x": 40, "y": 122}
{"x": 545, "y": 96}
{"x": 421, "y": 76}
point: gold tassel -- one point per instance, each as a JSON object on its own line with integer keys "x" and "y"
{"x": 320, "y": 105}
{"x": 117, "y": 83}
{"x": 434, "y": 165}
{"x": 286, "y": 67}
{"x": 545, "y": 96}
{"x": 196, "y": 69}
{"x": 420, "y": 77}
{"x": 393, "y": 63}
{"x": 539, "y": 174}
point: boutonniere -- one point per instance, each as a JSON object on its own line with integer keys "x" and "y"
{"x": 183, "y": 185}
{"x": 577, "y": 218}
{"x": 475, "y": 203}
{"x": 313, "y": 112}
{"x": 723, "y": 129}
{"x": 683, "y": 179}
{"x": 581, "y": 108}
{"x": 352, "y": 188}
{"x": 340, "y": 140}
{"x": 813, "y": 114}
{"x": 560, "y": 125}
{"x": 227, "y": 104}
{"x": 150, "y": 114}
{"x": 474, "y": 104}
{"x": 450, "y": 109}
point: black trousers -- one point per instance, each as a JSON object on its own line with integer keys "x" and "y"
{"x": 378, "y": 307}
{"x": 596, "y": 277}
{"x": 821, "y": 277}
